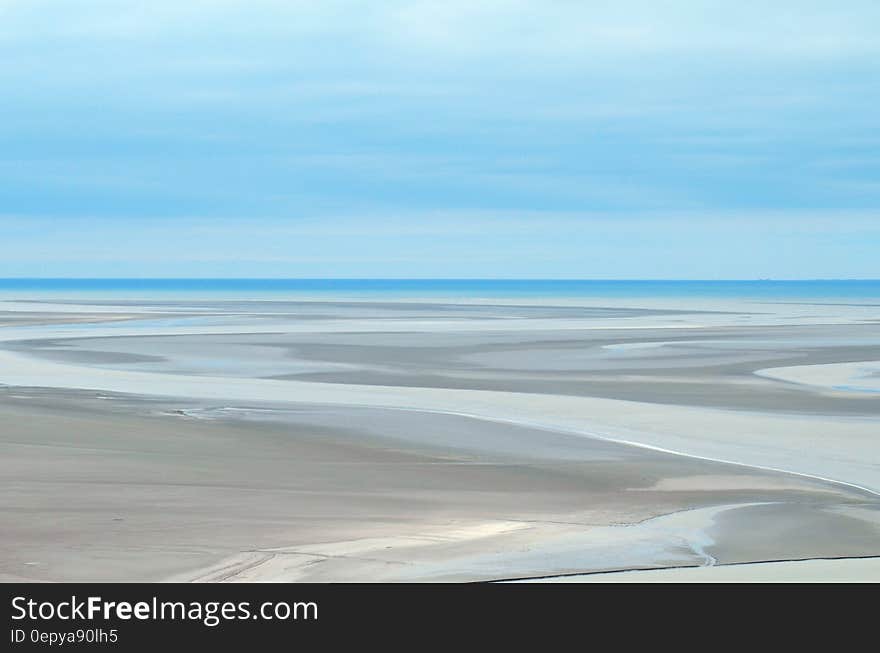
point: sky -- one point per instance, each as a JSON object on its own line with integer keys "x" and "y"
{"x": 689, "y": 139}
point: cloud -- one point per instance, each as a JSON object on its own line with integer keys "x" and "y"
{"x": 453, "y": 244}
{"x": 268, "y": 112}
{"x": 632, "y": 28}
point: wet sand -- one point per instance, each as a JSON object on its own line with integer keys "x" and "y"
{"x": 427, "y": 441}
{"x": 849, "y": 570}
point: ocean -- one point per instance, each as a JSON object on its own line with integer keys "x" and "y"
{"x": 465, "y": 288}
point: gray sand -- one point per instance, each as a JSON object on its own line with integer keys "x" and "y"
{"x": 106, "y": 486}
{"x": 118, "y": 488}
{"x": 715, "y": 367}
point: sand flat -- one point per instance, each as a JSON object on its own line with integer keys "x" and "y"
{"x": 228, "y": 441}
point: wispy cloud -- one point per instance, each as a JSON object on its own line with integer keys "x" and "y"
{"x": 399, "y": 113}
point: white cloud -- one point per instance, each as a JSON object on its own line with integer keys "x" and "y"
{"x": 471, "y": 28}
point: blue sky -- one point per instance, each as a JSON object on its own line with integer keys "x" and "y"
{"x": 527, "y": 138}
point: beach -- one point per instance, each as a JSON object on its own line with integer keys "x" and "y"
{"x": 437, "y": 438}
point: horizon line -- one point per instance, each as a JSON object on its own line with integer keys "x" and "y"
{"x": 555, "y": 279}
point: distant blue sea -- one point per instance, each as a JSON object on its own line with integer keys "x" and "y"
{"x": 534, "y": 288}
